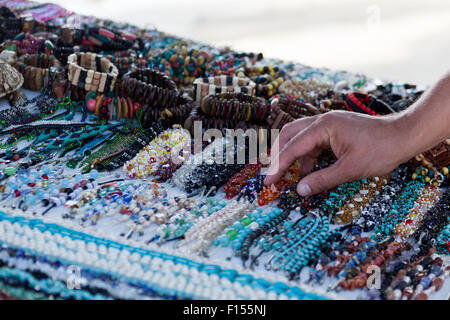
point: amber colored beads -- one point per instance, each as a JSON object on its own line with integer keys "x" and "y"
{"x": 424, "y": 202}
{"x": 240, "y": 179}
{"x": 268, "y": 194}
{"x": 367, "y": 191}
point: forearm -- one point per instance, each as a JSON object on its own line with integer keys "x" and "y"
{"x": 427, "y": 122}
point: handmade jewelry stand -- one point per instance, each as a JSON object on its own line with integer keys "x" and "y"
{"x": 103, "y": 179}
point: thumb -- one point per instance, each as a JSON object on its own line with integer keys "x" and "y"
{"x": 324, "y": 179}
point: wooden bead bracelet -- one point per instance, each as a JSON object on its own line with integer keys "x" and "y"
{"x": 91, "y": 72}
{"x": 222, "y": 84}
{"x": 151, "y": 88}
{"x": 220, "y": 123}
{"x": 236, "y": 106}
{"x": 37, "y": 70}
{"x": 288, "y": 109}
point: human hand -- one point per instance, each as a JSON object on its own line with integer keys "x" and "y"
{"x": 365, "y": 146}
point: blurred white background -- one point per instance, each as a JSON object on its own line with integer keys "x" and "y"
{"x": 396, "y": 40}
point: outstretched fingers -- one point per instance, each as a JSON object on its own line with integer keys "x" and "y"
{"x": 288, "y": 132}
{"x": 307, "y": 141}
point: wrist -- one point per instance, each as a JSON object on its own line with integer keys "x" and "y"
{"x": 410, "y": 135}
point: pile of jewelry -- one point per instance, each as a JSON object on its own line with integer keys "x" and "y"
{"x": 128, "y": 170}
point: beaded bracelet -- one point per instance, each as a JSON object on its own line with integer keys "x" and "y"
{"x": 236, "y": 106}
{"x": 425, "y": 200}
{"x": 106, "y": 159}
{"x": 338, "y": 197}
{"x": 240, "y": 226}
{"x": 337, "y": 255}
{"x": 182, "y": 221}
{"x": 399, "y": 209}
{"x": 310, "y": 91}
{"x": 203, "y": 171}
{"x": 37, "y": 70}
{"x": 212, "y": 122}
{"x": 382, "y": 258}
{"x": 203, "y": 232}
{"x": 365, "y": 194}
{"x": 156, "y": 153}
{"x": 150, "y": 87}
{"x": 371, "y": 214}
{"x": 91, "y": 72}
{"x": 240, "y": 179}
{"x": 434, "y": 221}
{"x": 127, "y": 62}
{"x": 245, "y": 239}
{"x": 222, "y": 84}
{"x": 355, "y": 252}
{"x": 267, "y": 79}
{"x": 300, "y": 245}
{"x": 291, "y": 176}
{"x": 285, "y": 109}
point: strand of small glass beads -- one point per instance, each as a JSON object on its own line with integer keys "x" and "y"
{"x": 298, "y": 243}
{"x": 44, "y": 186}
{"x": 166, "y": 145}
{"x": 245, "y": 239}
{"x": 367, "y": 191}
{"x": 424, "y": 202}
{"x": 133, "y": 206}
{"x": 269, "y": 194}
{"x": 201, "y": 235}
{"x": 336, "y": 256}
{"x": 291, "y": 200}
{"x": 239, "y": 229}
{"x": 309, "y": 90}
{"x": 399, "y": 208}
{"x": 252, "y": 188}
{"x": 210, "y": 168}
{"x": 124, "y": 201}
{"x": 338, "y": 197}
{"x": 436, "y": 219}
{"x": 180, "y": 222}
{"x": 240, "y": 179}
{"x": 372, "y": 213}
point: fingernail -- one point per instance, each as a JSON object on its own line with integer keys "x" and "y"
{"x": 304, "y": 189}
